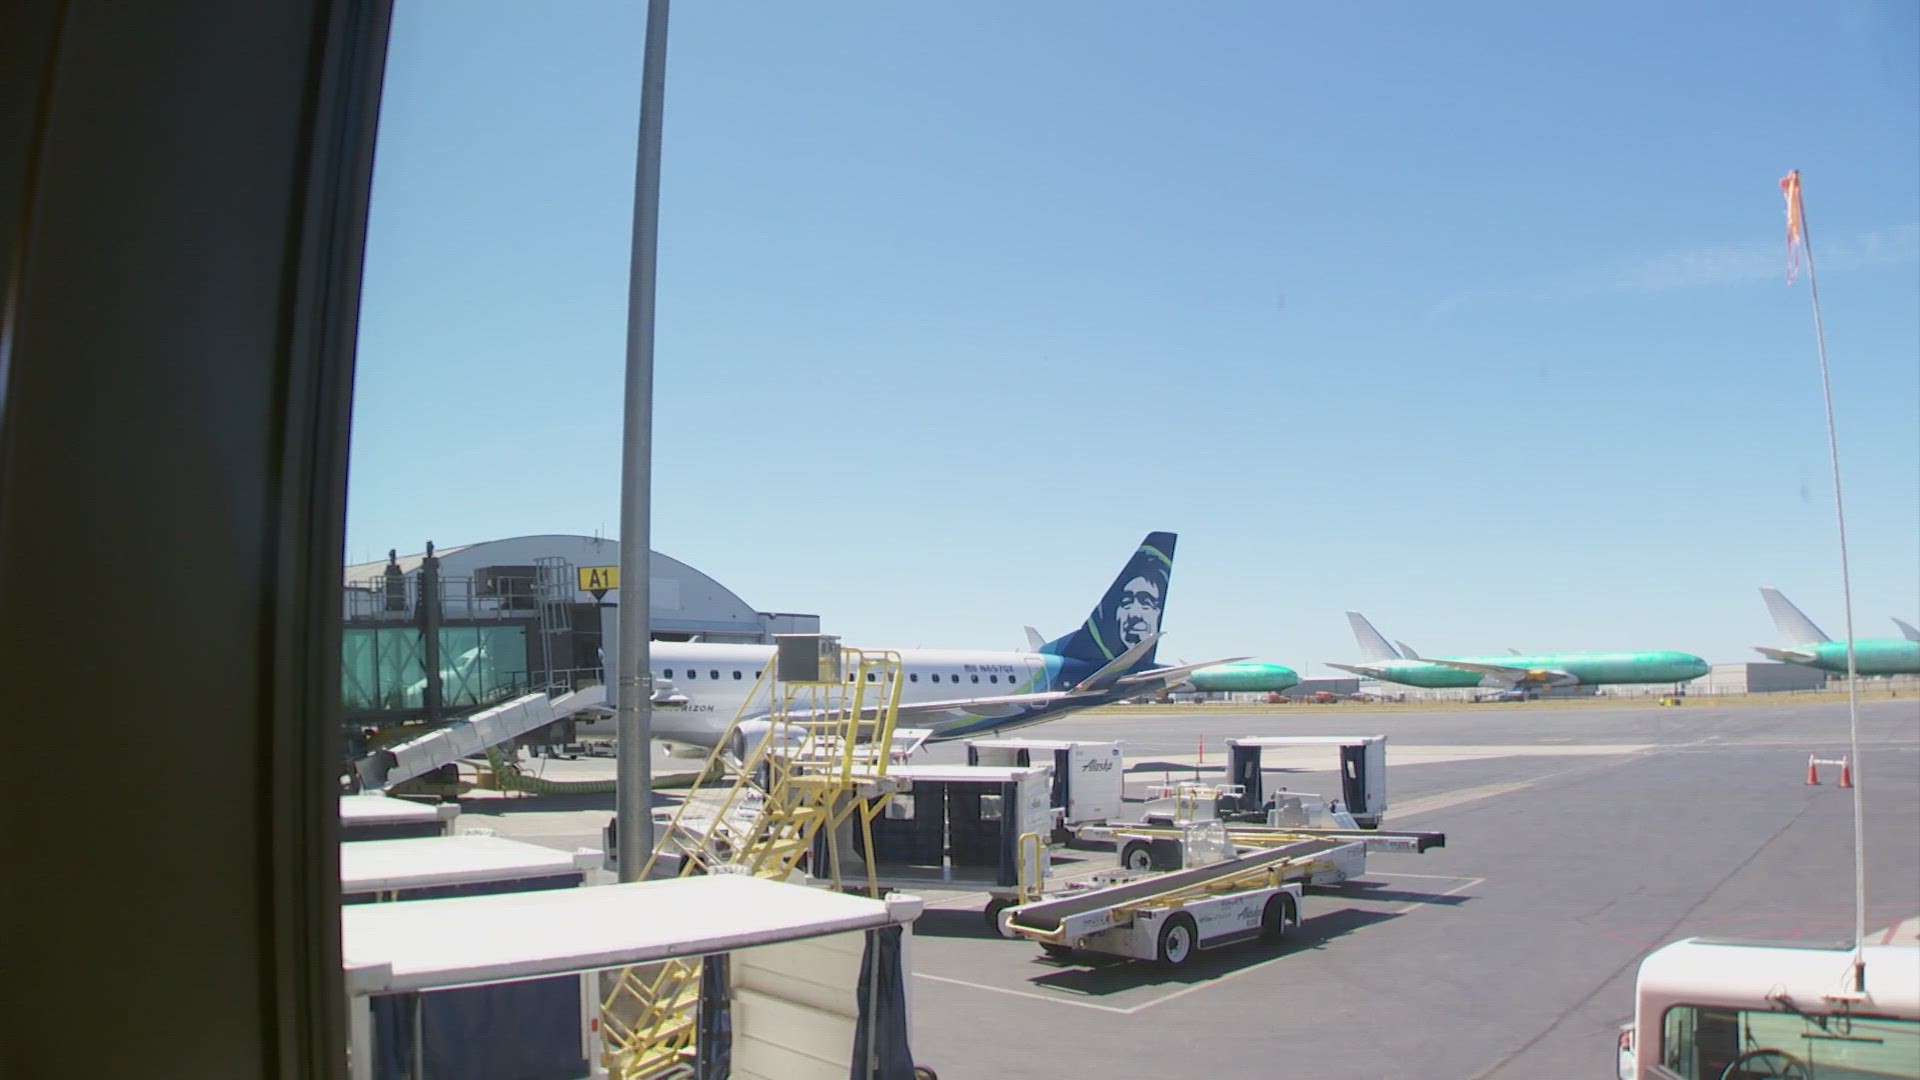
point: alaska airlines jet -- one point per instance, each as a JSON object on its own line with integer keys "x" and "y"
{"x": 699, "y": 688}
{"x": 1525, "y": 671}
{"x": 1807, "y": 645}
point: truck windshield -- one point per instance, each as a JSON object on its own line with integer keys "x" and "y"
{"x": 1710, "y": 1043}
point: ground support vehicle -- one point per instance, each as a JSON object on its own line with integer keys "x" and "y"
{"x": 1720, "y": 1009}
{"x": 1169, "y": 917}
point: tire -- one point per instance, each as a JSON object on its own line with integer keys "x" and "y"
{"x": 921, "y": 1072}
{"x": 994, "y": 907}
{"x": 1058, "y": 952}
{"x": 1137, "y": 855}
{"x": 1178, "y": 941}
{"x": 1279, "y": 914}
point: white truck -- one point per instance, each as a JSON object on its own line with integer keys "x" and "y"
{"x": 1718, "y": 1009}
{"x": 1214, "y": 901}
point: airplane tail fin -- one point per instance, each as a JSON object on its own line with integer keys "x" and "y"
{"x": 1795, "y": 628}
{"x": 1406, "y": 650}
{"x": 1912, "y": 633}
{"x": 1372, "y": 645}
{"x": 1130, "y": 611}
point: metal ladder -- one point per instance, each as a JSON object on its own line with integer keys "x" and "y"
{"x": 816, "y": 761}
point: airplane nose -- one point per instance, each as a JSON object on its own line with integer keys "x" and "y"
{"x": 1698, "y": 666}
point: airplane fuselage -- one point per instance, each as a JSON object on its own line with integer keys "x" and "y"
{"x": 1872, "y": 656}
{"x": 1551, "y": 669}
{"x": 1245, "y": 677}
{"x": 700, "y": 688}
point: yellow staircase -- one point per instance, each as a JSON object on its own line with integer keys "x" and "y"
{"x": 802, "y": 756}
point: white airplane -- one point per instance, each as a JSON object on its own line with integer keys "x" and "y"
{"x": 698, "y": 688}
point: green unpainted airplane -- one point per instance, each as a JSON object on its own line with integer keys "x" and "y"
{"x": 1235, "y": 677}
{"x": 1515, "y": 671}
{"x": 1806, "y": 645}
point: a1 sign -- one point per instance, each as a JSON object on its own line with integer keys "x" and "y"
{"x": 599, "y": 580}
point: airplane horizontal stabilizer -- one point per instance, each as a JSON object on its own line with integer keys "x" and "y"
{"x": 1912, "y": 633}
{"x": 1172, "y": 676}
{"x": 1363, "y": 672}
{"x": 1786, "y": 656}
{"x": 1111, "y": 672}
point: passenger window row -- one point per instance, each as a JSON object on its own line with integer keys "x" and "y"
{"x": 694, "y": 673}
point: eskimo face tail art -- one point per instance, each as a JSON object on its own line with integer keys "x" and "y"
{"x": 1130, "y": 611}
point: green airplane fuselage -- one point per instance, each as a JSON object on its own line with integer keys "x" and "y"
{"x": 1243, "y": 677}
{"x": 1872, "y": 656}
{"x": 1588, "y": 668}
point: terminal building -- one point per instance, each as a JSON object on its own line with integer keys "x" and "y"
{"x": 501, "y": 618}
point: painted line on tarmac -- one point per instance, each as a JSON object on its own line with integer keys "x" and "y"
{"x": 1025, "y": 994}
{"x": 1449, "y": 800}
{"x": 1455, "y": 891}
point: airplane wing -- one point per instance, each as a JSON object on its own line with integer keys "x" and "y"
{"x": 1034, "y": 640}
{"x": 1907, "y": 628}
{"x": 1785, "y": 656}
{"x": 1512, "y": 676}
{"x": 1004, "y": 705}
{"x": 1172, "y": 676}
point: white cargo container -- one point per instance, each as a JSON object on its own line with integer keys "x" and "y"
{"x": 1088, "y": 777}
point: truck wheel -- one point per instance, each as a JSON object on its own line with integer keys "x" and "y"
{"x": 1279, "y": 913}
{"x": 1137, "y": 855}
{"x": 994, "y": 907}
{"x": 1177, "y": 940}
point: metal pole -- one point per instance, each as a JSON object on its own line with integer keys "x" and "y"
{"x": 1846, "y": 594}
{"x": 633, "y": 805}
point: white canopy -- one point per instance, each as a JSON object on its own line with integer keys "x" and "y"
{"x": 384, "y": 865}
{"x": 381, "y": 810}
{"x": 461, "y": 941}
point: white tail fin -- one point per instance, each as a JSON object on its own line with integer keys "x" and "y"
{"x": 1034, "y": 640}
{"x": 1406, "y": 650}
{"x": 1372, "y": 646}
{"x": 1795, "y": 628}
{"x": 1908, "y": 629}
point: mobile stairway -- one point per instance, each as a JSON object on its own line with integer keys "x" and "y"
{"x": 800, "y": 772}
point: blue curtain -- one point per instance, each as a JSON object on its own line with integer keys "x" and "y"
{"x": 880, "y": 1050}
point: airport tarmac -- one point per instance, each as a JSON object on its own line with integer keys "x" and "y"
{"x": 1577, "y": 840}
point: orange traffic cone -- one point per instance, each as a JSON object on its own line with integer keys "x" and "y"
{"x": 1813, "y": 771}
{"x": 1846, "y": 772}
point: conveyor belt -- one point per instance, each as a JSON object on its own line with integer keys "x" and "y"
{"x": 1049, "y": 914}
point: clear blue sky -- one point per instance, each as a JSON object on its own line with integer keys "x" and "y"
{"x": 1470, "y": 316}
